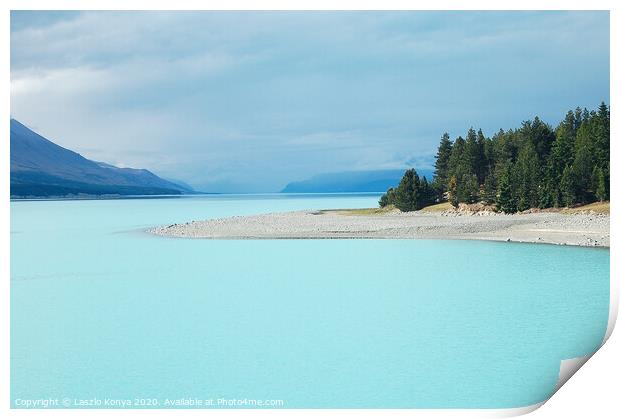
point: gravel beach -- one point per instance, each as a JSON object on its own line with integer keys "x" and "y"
{"x": 543, "y": 227}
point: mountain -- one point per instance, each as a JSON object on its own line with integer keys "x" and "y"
{"x": 186, "y": 187}
{"x": 353, "y": 181}
{"x": 40, "y": 168}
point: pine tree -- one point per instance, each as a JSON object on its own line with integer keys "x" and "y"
{"x": 490, "y": 188}
{"x": 561, "y": 155}
{"x": 470, "y": 190}
{"x": 408, "y": 196}
{"x": 456, "y": 162}
{"x": 490, "y": 156}
{"x": 545, "y": 199}
{"x": 482, "y": 168}
{"x": 582, "y": 173}
{"x": 540, "y": 135}
{"x": 505, "y": 197}
{"x": 473, "y": 153}
{"x": 442, "y": 158}
{"x": 599, "y": 184}
{"x": 452, "y": 191}
{"x": 387, "y": 198}
{"x": 527, "y": 174}
{"x": 568, "y": 186}
{"x": 427, "y": 193}
{"x": 601, "y": 151}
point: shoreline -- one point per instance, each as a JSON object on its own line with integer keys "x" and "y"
{"x": 586, "y": 230}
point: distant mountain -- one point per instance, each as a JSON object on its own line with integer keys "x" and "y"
{"x": 182, "y": 184}
{"x": 354, "y": 181}
{"x": 40, "y": 168}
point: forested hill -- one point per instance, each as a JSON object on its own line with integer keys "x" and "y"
{"x": 535, "y": 165}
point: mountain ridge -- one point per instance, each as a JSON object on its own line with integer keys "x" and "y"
{"x": 351, "y": 181}
{"x": 41, "y": 168}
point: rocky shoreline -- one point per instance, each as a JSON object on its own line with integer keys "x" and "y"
{"x": 581, "y": 229}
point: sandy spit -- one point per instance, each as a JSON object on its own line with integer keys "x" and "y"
{"x": 551, "y": 228}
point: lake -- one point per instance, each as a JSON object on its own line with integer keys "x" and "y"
{"x": 102, "y": 310}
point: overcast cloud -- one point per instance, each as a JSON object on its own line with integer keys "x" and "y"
{"x": 232, "y": 101}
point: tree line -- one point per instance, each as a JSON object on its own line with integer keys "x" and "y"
{"x": 533, "y": 166}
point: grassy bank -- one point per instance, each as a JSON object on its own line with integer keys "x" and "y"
{"x": 369, "y": 211}
{"x": 444, "y": 206}
{"x": 596, "y": 207}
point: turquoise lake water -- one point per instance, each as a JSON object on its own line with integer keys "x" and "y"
{"x": 102, "y": 310}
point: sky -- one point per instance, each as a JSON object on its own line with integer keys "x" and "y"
{"x": 250, "y": 101}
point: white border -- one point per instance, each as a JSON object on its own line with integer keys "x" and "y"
{"x": 288, "y": 5}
